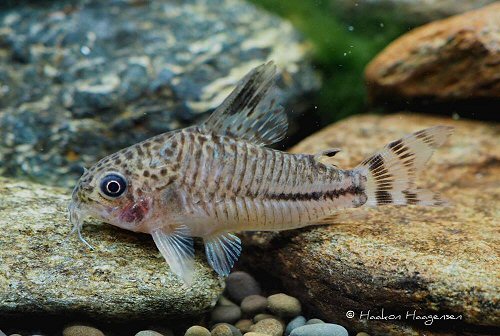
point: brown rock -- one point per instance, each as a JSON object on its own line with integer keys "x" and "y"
{"x": 434, "y": 260}
{"x": 269, "y": 326}
{"x": 82, "y": 331}
{"x": 222, "y": 330}
{"x": 455, "y": 59}
{"x": 244, "y": 325}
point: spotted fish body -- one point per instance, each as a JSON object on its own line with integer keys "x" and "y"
{"x": 217, "y": 178}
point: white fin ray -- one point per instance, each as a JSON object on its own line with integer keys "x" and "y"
{"x": 252, "y": 111}
{"x": 177, "y": 249}
{"x": 222, "y": 251}
{"x": 391, "y": 172}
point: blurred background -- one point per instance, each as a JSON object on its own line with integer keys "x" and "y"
{"x": 82, "y": 79}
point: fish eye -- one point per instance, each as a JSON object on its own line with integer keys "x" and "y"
{"x": 113, "y": 185}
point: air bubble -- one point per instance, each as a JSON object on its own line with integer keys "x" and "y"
{"x": 85, "y": 50}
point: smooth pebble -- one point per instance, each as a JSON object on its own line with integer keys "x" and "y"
{"x": 197, "y": 331}
{"x": 252, "y": 333}
{"x": 284, "y": 305}
{"x": 270, "y": 326}
{"x": 299, "y": 321}
{"x": 320, "y": 329}
{"x": 235, "y": 331}
{"x": 362, "y": 334}
{"x": 222, "y": 330}
{"x": 82, "y": 331}
{"x": 244, "y": 325}
{"x": 148, "y": 333}
{"x": 239, "y": 285}
{"x": 224, "y": 301}
{"x": 314, "y": 321}
{"x": 227, "y": 314}
{"x": 260, "y": 317}
{"x": 253, "y": 304}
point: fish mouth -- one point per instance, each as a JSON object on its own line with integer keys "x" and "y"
{"x": 76, "y": 217}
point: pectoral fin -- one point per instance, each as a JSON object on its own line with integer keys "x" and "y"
{"x": 176, "y": 246}
{"x": 222, "y": 252}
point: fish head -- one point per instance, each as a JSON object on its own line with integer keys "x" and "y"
{"x": 111, "y": 191}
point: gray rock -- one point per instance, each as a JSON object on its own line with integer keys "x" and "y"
{"x": 320, "y": 329}
{"x": 227, "y": 314}
{"x": 81, "y": 79}
{"x": 299, "y": 321}
{"x": 253, "y": 304}
{"x": 284, "y": 305}
{"x": 223, "y": 301}
{"x": 123, "y": 277}
{"x": 148, "y": 333}
{"x": 240, "y": 285}
{"x": 314, "y": 321}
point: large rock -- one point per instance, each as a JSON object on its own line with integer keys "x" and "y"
{"x": 453, "y": 60}
{"x": 82, "y": 79}
{"x": 435, "y": 260}
{"x": 124, "y": 277}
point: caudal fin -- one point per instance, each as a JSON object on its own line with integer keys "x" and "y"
{"x": 391, "y": 173}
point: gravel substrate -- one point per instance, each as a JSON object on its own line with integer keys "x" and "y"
{"x": 243, "y": 310}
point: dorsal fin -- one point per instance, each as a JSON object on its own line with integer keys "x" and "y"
{"x": 252, "y": 111}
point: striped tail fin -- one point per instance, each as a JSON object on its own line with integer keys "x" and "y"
{"x": 391, "y": 173}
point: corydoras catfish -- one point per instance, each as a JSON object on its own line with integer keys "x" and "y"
{"x": 217, "y": 178}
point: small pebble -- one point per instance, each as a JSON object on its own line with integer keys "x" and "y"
{"x": 284, "y": 305}
{"x": 235, "y": 331}
{"x": 299, "y": 321}
{"x": 253, "y": 304}
{"x": 239, "y": 285}
{"x": 252, "y": 333}
{"x": 362, "y": 334}
{"x": 329, "y": 329}
{"x": 314, "y": 321}
{"x": 224, "y": 301}
{"x": 81, "y": 331}
{"x": 269, "y": 326}
{"x": 197, "y": 331}
{"x": 148, "y": 333}
{"x": 260, "y": 317}
{"x": 222, "y": 330}
{"x": 13, "y": 334}
{"x": 227, "y": 314}
{"x": 244, "y": 325}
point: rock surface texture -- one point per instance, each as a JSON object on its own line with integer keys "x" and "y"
{"x": 82, "y": 79}
{"x": 432, "y": 260}
{"x": 456, "y": 59}
{"x": 123, "y": 277}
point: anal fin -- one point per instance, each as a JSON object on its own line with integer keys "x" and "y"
{"x": 176, "y": 246}
{"x": 222, "y": 251}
